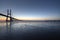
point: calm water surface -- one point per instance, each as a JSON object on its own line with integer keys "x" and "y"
{"x": 29, "y": 30}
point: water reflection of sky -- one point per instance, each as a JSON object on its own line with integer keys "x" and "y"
{"x": 25, "y": 26}
{"x": 27, "y": 29}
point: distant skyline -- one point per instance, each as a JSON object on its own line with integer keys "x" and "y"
{"x": 31, "y": 9}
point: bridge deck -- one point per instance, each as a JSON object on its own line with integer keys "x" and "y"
{"x": 8, "y": 16}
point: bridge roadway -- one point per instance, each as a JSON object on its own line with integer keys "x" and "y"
{"x": 8, "y": 16}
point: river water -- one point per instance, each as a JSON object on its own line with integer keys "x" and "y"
{"x": 29, "y": 30}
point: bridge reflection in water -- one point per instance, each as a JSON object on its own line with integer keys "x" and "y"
{"x": 8, "y": 26}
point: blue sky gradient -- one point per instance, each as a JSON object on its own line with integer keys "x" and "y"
{"x": 32, "y": 9}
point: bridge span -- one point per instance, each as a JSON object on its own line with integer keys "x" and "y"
{"x": 8, "y": 16}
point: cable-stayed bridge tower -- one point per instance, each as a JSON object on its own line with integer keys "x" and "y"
{"x": 9, "y": 14}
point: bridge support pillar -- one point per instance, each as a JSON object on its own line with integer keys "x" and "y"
{"x": 8, "y": 14}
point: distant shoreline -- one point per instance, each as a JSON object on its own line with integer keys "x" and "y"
{"x": 36, "y": 21}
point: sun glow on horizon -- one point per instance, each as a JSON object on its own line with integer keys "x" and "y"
{"x": 29, "y": 18}
{"x": 33, "y": 19}
{"x": 3, "y": 18}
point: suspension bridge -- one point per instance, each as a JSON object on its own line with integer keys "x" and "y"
{"x": 9, "y": 16}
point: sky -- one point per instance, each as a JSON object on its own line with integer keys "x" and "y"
{"x": 32, "y": 9}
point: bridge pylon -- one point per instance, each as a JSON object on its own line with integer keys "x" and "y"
{"x": 8, "y": 14}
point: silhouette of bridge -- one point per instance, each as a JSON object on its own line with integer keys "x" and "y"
{"x": 8, "y": 16}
